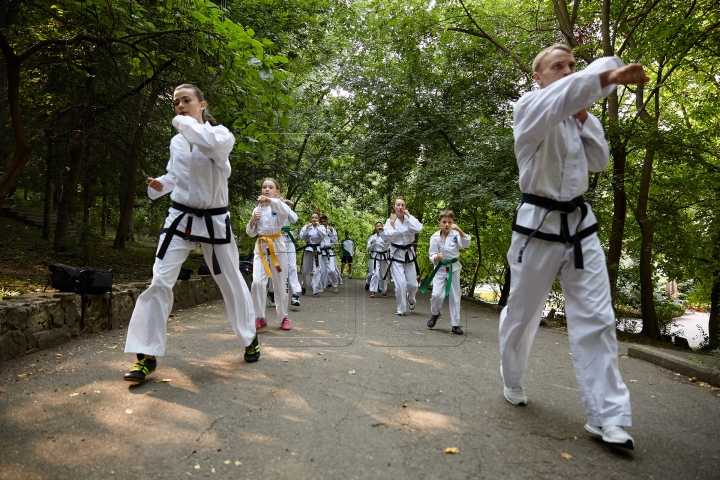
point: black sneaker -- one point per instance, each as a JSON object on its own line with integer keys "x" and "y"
{"x": 271, "y": 298}
{"x": 144, "y": 366}
{"x": 252, "y": 352}
{"x": 367, "y": 286}
{"x": 457, "y": 330}
{"x": 433, "y": 320}
{"x": 303, "y": 289}
{"x": 295, "y": 302}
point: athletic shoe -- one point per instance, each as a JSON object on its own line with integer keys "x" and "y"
{"x": 411, "y": 305}
{"x": 295, "y": 302}
{"x": 341, "y": 282}
{"x": 384, "y": 295}
{"x": 143, "y": 366}
{"x": 457, "y": 330}
{"x": 260, "y": 323}
{"x": 433, "y": 320}
{"x": 613, "y": 435}
{"x": 372, "y": 294}
{"x": 285, "y": 324}
{"x": 302, "y": 290}
{"x": 252, "y": 351}
{"x": 515, "y": 395}
{"x": 316, "y": 295}
{"x": 367, "y": 286}
{"x": 350, "y": 276}
{"x": 399, "y": 313}
{"x": 271, "y": 298}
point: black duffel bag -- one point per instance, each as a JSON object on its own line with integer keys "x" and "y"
{"x": 84, "y": 281}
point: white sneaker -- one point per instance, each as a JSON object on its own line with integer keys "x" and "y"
{"x": 411, "y": 304}
{"x": 613, "y": 435}
{"x": 350, "y": 276}
{"x": 341, "y": 282}
{"x": 399, "y": 313}
{"x": 515, "y": 395}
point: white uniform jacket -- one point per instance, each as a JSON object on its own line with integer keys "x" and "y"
{"x": 450, "y": 248}
{"x": 328, "y": 243}
{"x": 555, "y": 151}
{"x": 378, "y": 247}
{"x": 198, "y": 178}
{"x": 272, "y": 220}
{"x": 403, "y": 233}
{"x": 313, "y": 235}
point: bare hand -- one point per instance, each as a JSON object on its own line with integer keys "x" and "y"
{"x": 454, "y": 227}
{"x": 373, "y": 241}
{"x": 256, "y": 215}
{"x": 155, "y": 184}
{"x": 438, "y": 257}
{"x": 263, "y": 199}
{"x": 289, "y": 203}
{"x": 582, "y": 115}
{"x": 631, "y": 74}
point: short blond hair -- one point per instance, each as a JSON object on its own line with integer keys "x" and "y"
{"x": 537, "y": 63}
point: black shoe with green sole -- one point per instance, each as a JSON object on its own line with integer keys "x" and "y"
{"x": 252, "y": 351}
{"x": 144, "y": 366}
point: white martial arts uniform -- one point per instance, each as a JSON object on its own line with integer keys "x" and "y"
{"x": 273, "y": 218}
{"x": 450, "y": 250}
{"x": 554, "y": 153}
{"x": 328, "y": 265}
{"x": 311, "y": 256}
{"x": 402, "y": 264}
{"x": 378, "y": 264}
{"x": 291, "y": 254}
{"x": 197, "y": 179}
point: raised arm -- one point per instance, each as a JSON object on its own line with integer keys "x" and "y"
{"x": 215, "y": 142}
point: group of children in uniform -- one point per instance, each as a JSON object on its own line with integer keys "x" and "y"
{"x": 554, "y": 230}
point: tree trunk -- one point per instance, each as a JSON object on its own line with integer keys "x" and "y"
{"x": 650, "y": 326}
{"x": 129, "y": 172}
{"x": 47, "y": 202}
{"x": 104, "y": 209}
{"x": 505, "y": 292}
{"x": 479, "y": 262}
{"x": 714, "y": 321}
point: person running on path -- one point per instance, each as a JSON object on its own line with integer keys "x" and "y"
{"x": 444, "y": 251}
{"x": 378, "y": 263}
{"x": 313, "y": 233}
{"x": 266, "y": 223}
{"x": 197, "y": 180}
{"x": 328, "y": 265}
{"x": 554, "y": 234}
{"x": 400, "y": 231}
{"x": 348, "y": 254}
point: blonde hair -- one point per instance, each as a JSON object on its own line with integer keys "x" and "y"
{"x": 277, "y": 185}
{"x": 537, "y": 63}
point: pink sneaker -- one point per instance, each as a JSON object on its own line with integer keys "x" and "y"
{"x": 372, "y": 294}
{"x": 285, "y": 324}
{"x": 260, "y": 323}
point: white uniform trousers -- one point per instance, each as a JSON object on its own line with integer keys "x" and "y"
{"x": 292, "y": 269}
{"x": 279, "y": 279}
{"x": 590, "y": 321}
{"x": 406, "y": 284}
{"x": 329, "y": 271}
{"x": 438, "y": 295}
{"x": 378, "y": 281}
{"x": 308, "y": 267}
{"x": 147, "y": 332}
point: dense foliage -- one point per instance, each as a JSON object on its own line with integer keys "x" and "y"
{"x": 348, "y": 104}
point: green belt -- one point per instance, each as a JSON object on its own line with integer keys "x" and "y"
{"x": 287, "y": 230}
{"x": 449, "y": 279}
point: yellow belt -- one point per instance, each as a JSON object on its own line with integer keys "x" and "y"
{"x": 270, "y": 250}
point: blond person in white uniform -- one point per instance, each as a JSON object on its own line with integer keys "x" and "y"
{"x": 444, "y": 251}
{"x": 196, "y": 179}
{"x": 270, "y": 253}
{"x": 554, "y": 234}
{"x": 378, "y": 264}
{"x": 313, "y": 233}
{"x": 400, "y": 231}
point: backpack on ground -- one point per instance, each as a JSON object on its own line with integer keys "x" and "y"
{"x": 185, "y": 273}
{"x": 84, "y": 281}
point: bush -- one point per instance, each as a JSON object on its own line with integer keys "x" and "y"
{"x": 666, "y": 312}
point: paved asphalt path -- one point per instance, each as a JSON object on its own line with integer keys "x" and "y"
{"x": 352, "y": 391}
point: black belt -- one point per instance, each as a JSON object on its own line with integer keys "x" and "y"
{"x": 407, "y": 249}
{"x": 207, "y": 214}
{"x": 329, "y": 251}
{"x": 375, "y": 256}
{"x": 314, "y": 247}
{"x": 564, "y": 236}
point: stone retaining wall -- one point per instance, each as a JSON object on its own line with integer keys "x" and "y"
{"x": 29, "y": 323}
